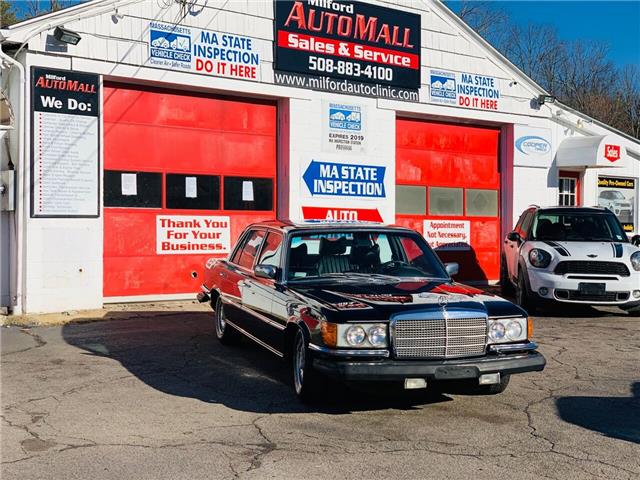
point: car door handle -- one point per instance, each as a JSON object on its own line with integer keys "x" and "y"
{"x": 222, "y": 274}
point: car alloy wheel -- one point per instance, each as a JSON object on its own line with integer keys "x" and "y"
{"x": 299, "y": 360}
{"x": 226, "y": 334}
{"x": 221, "y": 323}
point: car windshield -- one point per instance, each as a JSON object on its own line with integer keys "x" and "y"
{"x": 578, "y": 227}
{"x": 617, "y": 195}
{"x": 361, "y": 256}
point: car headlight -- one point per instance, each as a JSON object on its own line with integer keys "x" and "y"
{"x": 377, "y": 336}
{"x": 539, "y": 258}
{"x": 356, "y": 335}
{"x": 505, "y": 330}
{"x": 635, "y": 261}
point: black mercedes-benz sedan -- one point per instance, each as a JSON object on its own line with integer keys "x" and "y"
{"x": 364, "y": 302}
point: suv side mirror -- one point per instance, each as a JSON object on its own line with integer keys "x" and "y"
{"x": 265, "y": 271}
{"x": 514, "y": 236}
{"x": 452, "y": 268}
{"x": 635, "y": 240}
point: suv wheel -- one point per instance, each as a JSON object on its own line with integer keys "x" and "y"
{"x": 523, "y": 297}
{"x": 506, "y": 287}
{"x": 225, "y": 333}
{"x": 306, "y": 382}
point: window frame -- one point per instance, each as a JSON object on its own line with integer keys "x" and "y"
{"x": 258, "y": 250}
{"x": 282, "y": 241}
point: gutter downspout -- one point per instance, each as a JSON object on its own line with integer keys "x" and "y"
{"x": 20, "y": 213}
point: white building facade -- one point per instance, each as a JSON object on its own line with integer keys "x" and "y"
{"x": 146, "y": 148}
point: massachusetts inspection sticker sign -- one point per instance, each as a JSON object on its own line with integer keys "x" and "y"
{"x": 344, "y": 127}
{"x": 203, "y": 51}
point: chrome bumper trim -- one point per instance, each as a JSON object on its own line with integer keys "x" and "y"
{"x": 513, "y": 347}
{"x": 349, "y": 353}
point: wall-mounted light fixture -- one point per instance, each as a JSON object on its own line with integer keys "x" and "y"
{"x": 65, "y": 35}
{"x": 542, "y": 99}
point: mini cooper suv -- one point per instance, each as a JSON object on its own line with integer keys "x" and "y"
{"x": 571, "y": 255}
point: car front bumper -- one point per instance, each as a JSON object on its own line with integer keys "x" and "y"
{"x": 557, "y": 285}
{"x": 455, "y": 369}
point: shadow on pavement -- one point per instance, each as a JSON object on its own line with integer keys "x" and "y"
{"x": 178, "y": 354}
{"x": 615, "y": 417}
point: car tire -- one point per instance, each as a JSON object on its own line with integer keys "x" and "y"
{"x": 506, "y": 287}
{"x": 225, "y": 333}
{"x": 307, "y": 383}
{"x": 523, "y": 296}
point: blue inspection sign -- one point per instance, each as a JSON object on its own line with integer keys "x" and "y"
{"x": 327, "y": 178}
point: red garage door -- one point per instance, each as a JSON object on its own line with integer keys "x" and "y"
{"x": 448, "y": 187}
{"x": 184, "y": 174}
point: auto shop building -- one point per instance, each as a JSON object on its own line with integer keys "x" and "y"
{"x": 144, "y": 136}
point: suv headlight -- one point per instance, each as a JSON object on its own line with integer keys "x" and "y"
{"x": 539, "y": 258}
{"x": 505, "y": 330}
{"x": 355, "y": 335}
{"x": 635, "y": 261}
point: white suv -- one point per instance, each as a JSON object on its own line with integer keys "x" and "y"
{"x": 615, "y": 201}
{"x": 571, "y": 254}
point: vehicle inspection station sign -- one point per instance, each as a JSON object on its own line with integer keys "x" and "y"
{"x": 466, "y": 90}
{"x": 65, "y": 155}
{"x": 354, "y": 41}
{"x": 202, "y": 51}
{"x": 327, "y": 178}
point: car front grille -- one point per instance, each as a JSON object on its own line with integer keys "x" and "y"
{"x": 439, "y": 337}
{"x": 592, "y": 268}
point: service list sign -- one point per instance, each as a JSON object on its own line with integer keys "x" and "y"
{"x": 348, "y": 40}
{"x": 65, "y": 157}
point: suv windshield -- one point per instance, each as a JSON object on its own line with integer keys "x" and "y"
{"x": 577, "y": 226}
{"x": 362, "y": 256}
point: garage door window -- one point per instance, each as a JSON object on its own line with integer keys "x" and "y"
{"x": 197, "y": 192}
{"x": 132, "y": 189}
{"x": 481, "y": 203}
{"x": 411, "y": 199}
{"x": 445, "y": 201}
{"x": 248, "y": 193}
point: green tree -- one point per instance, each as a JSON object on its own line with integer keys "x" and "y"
{"x": 7, "y": 14}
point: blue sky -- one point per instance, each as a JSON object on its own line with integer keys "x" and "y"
{"x": 614, "y": 22}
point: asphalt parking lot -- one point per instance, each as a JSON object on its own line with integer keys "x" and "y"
{"x": 151, "y": 395}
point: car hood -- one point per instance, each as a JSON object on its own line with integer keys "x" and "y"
{"x": 344, "y": 301}
{"x": 587, "y": 250}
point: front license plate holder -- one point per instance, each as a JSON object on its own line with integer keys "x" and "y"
{"x": 592, "y": 288}
{"x": 453, "y": 373}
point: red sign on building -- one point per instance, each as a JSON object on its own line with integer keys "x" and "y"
{"x": 612, "y": 152}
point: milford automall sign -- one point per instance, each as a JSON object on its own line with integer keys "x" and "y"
{"x": 348, "y": 40}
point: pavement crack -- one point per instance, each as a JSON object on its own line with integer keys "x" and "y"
{"x": 39, "y": 342}
{"x": 264, "y": 449}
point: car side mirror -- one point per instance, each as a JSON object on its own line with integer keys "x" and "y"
{"x": 635, "y": 240}
{"x": 513, "y": 236}
{"x": 452, "y": 268}
{"x": 265, "y": 271}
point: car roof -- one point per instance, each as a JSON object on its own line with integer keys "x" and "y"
{"x": 289, "y": 226}
{"x": 572, "y": 209}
